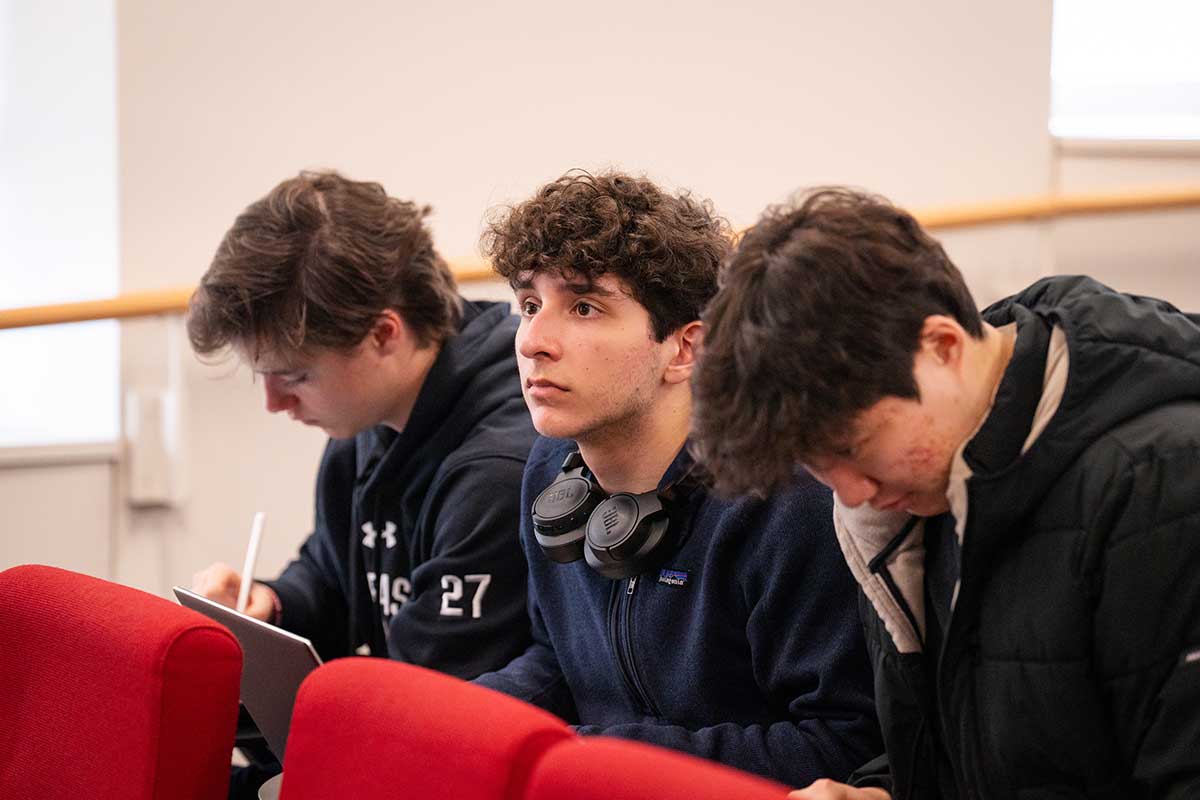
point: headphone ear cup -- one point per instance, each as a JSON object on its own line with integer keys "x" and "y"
{"x": 560, "y": 514}
{"x": 626, "y": 535}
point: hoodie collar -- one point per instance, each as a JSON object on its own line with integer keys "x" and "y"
{"x": 999, "y": 439}
{"x": 457, "y": 364}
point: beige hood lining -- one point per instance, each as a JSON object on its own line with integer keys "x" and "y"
{"x": 863, "y": 532}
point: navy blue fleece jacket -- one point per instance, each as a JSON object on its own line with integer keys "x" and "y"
{"x": 745, "y": 647}
{"x": 415, "y": 552}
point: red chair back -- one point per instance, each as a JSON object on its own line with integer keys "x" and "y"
{"x": 107, "y": 691}
{"x": 366, "y": 727}
{"x": 602, "y": 768}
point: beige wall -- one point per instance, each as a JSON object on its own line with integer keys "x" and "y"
{"x": 1153, "y": 254}
{"x": 60, "y": 507}
{"x": 464, "y": 106}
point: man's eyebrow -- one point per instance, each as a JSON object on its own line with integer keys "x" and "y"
{"x": 522, "y": 282}
{"x": 284, "y": 370}
{"x": 591, "y": 288}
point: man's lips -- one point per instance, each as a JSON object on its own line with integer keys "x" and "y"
{"x": 540, "y": 388}
{"x": 542, "y": 383}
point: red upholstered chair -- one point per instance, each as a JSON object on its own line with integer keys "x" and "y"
{"x": 366, "y": 727}
{"x": 602, "y": 768}
{"x": 106, "y": 691}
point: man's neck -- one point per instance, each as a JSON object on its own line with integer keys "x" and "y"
{"x": 635, "y": 458}
{"x": 997, "y": 350}
{"x": 410, "y": 380}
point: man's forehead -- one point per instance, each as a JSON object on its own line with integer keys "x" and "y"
{"x": 268, "y": 360}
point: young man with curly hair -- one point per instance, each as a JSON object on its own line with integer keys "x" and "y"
{"x": 1015, "y": 491}
{"x": 726, "y": 629}
{"x": 334, "y": 295}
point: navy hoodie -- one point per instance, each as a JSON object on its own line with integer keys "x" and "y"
{"x": 415, "y": 550}
{"x": 745, "y": 647}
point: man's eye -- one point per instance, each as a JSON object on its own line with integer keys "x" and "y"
{"x": 295, "y": 380}
{"x": 843, "y": 452}
{"x": 529, "y": 308}
{"x": 584, "y": 309}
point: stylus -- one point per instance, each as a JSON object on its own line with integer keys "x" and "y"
{"x": 256, "y": 529}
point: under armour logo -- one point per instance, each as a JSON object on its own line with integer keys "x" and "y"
{"x": 369, "y": 534}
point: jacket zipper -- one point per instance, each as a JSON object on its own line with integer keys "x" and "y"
{"x": 620, "y": 627}
{"x": 948, "y": 733}
{"x": 914, "y": 755}
{"x": 958, "y": 755}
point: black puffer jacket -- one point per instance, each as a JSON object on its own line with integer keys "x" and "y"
{"x": 1070, "y": 665}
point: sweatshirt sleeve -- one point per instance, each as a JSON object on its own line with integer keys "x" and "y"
{"x": 808, "y": 653}
{"x": 875, "y": 773}
{"x": 466, "y": 614}
{"x": 535, "y": 676}
{"x": 311, "y": 591}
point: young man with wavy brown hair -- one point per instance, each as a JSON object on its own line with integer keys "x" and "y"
{"x": 1015, "y": 492}
{"x": 334, "y": 295}
{"x": 661, "y": 612}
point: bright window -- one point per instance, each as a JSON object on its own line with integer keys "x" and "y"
{"x": 58, "y": 218}
{"x": 1126, "y": 69}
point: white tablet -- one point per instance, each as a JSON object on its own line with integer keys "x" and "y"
{"x": 274, "y": 662}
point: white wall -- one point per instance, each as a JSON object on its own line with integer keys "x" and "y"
{"x": 59, "y": 506}
{"x": 1153, "y": 254}
{"x": 465, "y": 105}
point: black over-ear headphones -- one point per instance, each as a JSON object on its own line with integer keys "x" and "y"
{"x": 619, "y": 536}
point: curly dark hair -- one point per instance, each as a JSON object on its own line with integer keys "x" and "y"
{"x": 818, "y": 317}
{"x": 666, "y": 248}
{"x": 314, "y": 263}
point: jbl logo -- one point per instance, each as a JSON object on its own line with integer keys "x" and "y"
{"x": 566, "y": 493}
{"x": 611, "y": 518}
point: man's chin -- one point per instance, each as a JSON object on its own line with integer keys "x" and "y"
{"x": 338, "y": 432}
{"x": 927, "y": 506}
{"x": 555, "y": 425}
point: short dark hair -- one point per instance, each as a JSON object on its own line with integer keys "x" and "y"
{"x": 667, "y": 248}
{"x": 818, "y": 317}
{"x": 314, "y": 263}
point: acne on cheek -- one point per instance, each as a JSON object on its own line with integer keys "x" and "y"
{"x": 920, "y": 460}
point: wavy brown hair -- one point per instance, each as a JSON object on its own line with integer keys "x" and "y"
{"x": 666, "y": 247}
{"x": 312, "y": 265}
{"x": 818, "y": 317}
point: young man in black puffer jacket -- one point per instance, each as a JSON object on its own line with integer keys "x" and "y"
{"x": 1016, "y": 493}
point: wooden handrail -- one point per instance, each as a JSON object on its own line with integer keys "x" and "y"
{"x": 1054, "y": 206}
{"x": 174, "y": 301}
{"x": 154, "y": 303}
{"x": 132, "y": 304}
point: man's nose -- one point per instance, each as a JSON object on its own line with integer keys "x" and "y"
{"x": 852, "y": 486}
{"x": 537, "y": 337}
{"x": 278, "y": 398}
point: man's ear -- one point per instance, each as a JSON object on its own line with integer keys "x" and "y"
{"x": 688, "y": 341}
{"x": 943, "y": 341}
{"x": 388, "y": 332}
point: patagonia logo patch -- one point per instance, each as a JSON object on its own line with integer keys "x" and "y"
{"x": 673, "y": 577}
